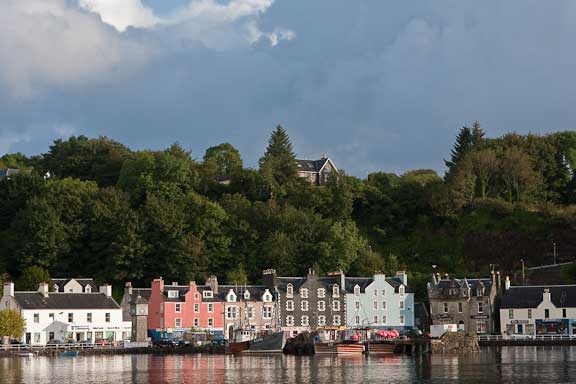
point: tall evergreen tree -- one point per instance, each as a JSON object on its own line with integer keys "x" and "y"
{"x": 279, "y": 161}
{"x": 477, "y": 135}
{"x": 467, "y": 139}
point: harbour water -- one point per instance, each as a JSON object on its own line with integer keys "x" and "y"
{"x": 504, "y": 365}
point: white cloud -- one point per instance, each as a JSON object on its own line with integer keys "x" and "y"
{"x": 122, "y": 13}
{"x": 46, "y": 43}
{"x": 254, "y": 34}
{"x": 8, "y": 139}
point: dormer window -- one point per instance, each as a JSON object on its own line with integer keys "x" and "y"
{"x": 173, "y": 294}
{"x": 356, "y": 290}
{"x": 289, "y": 290}
{"x": 246, "y": 295}
{"x": 267, "y": 296}
{"x": 231, "y": 297}
{"x": 304, "y": 293}
{"x": 335, "y": 290}
{"x": 88, "y": 289}
{"x": 207, "y": 294}
{"x": 56, "y": 288}
{"x": 401, "y": 290}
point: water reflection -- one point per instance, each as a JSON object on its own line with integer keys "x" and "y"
{"x": 519, "y": 364}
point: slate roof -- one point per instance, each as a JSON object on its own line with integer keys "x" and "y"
{"x": 182, "y": 291}
{"x": 256, "y": 291}
{"x": 82, "y": 281}
{"x": 364, "y": 282}
{"x": 140, "y": 295}
{"x": 61, "y": 300}
{"x": 7, "y": 172}
{"x": 462, "y": 283}
{"x": 311, "y": 165}
{"x": 562, "y": 296}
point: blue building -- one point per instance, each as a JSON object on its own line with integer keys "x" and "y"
{"x": 379, "y": 302}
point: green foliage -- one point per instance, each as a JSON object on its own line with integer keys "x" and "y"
{"x": 11, "y": 324}
{"x": 31, "y": 277}
{"x": 278, "y": 165}
{"x": 223, "y": 159}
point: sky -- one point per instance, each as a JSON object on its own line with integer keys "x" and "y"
{"x": 377, "y": 85}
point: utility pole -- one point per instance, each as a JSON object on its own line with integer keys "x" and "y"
{"x": 522, "y": 261}
{"x": 554, "y": 245}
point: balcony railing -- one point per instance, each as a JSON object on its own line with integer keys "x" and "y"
{"x": 518, "y": 337}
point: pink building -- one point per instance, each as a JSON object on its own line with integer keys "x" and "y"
{"x": 175, "y": 309}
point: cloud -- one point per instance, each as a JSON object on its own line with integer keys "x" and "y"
{"x": 46, "y": 43}
{"x": 9, "y": 139}
{"x": 122, "y": 13}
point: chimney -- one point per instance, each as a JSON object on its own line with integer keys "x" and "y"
{"x": 128, "y": 289}
{"x": 213, "y": 283}
{"x": 339, "y": 273}
{"x": 8, "y": 289}
{"x": 546, "y": 295}
{"x": 446, "y": 276}
{"x": 43, "y": 289}
{"x": 106, "y": 289}
{"x": 175, "y": 283}
{"x": 158, "y": 285}
{"x": 507, "y": 283}
{"x": 403, "y": 276}
{"x": 498, "y": 281}
{"x": 269, "y": 278}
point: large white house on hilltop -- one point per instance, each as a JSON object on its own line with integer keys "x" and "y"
{"x": 81, "y": 317}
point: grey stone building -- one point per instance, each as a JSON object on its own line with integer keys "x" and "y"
{"x": 317, "y": 172}
{"x": 308, "y": 303}
{"x": 469, "y": 303}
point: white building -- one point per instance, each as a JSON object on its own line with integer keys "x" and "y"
{"x": 538, "y": 310}
{"x": 89, "y": 317}
{"x": 76, "y": 285}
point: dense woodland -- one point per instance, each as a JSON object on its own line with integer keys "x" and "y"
{"x": 115, "y": 214}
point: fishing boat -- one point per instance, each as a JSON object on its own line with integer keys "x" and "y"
{"x": 325, "y": 348}
{"x": 241, "y": 340}
{"x": 380, "y": 347}
{"x": 349, "y": 347}
{"x": 69, "y": 354}
{"x": 267, "y": 343}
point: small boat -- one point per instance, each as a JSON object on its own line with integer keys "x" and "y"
{"x": 267, "y": 343}
{"x": 69, "y": 354}
{"x": 349, "y": 347}
{"x": 26, "y": 354}
{"x": 380, "y": 347}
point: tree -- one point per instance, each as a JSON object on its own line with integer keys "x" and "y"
{"x": 31, "y": 277}
{"x": 237, "y": 275}
{"x": 12, "y": 324}
{"x": 224, "y": 158}
{"x": 279, "y": 161}
{"x": 462, "y": 145}
{"x": 517, "y": 173}
{"x": 485, "y": 168}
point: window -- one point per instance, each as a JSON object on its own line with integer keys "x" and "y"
{"x": 375, "y": 304}
{"x": 480, "y": 326}
{"x": 336, "y": 305}
{"x": 231, "y": 297}
{"x": 375, "y": 292}
{"x": 401, "y": 290}
{"x": 357, "y": 290}
{"x": 546, "y": 313}
{"x": 196, "y": 308}
{"x": 383, "y": 293}
{"x": 375, "y": 319}
{"x": 88, "y": 289}
{"x": 460, "y": 308}
{"x": 36, "y": 318}
{"x": 357, "y": 305}
{"x": 445, "y": 307}
{"x": 304, "y": 305}
{"x": 247, "y": 295}
{"x": 250, "y": 312}
{"x": 322, "y": 305}
{"x": 335, "y": 290}
{"x": 321, "y": 293}
{"x": 231, "y": 312}
{"x": 510, "y": 313}
{"x": 384, "y": 305}
{"x": 210, "y": 322}
{"x": 336, "y": 320}
{"x": 89, "y": 317}
{"x": 357, "y": 320}
{"x": 267, "y": 312}
{"x": 210, "y": 307}
{"x": 178, "y": 308}
{"x": 321, "y": 320}
{"x": 304, "y": 321}
{"x": 50, "y": 336}
{"x": 383, "y": 319}
{"x": 529, "y": 313}
{"x": 196, "y": 322}
{"x": 289, "y": 290}
{"x": 178, "y": 323}
{"x": 107, "y": 317}
{"x": 70, "y": 317}
{"x": 196, "y": 296}
{"x": 208, "y": 294}
{"x": 563, "y": 312}
{"x": 37, "y": 338}
{"x": 289, "y": 305}
{"x": 173, "y": 294}
{"x": 304, "y": 293}
{"x": 401, "y": 304}
{"x": 480, "y": 307}
{"x": 401, "y": 319}
{"x": 290, "y": 321}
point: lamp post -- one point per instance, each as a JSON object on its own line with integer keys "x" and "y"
{"x": 522, "y": 261}
{"x": 554, "y": 245}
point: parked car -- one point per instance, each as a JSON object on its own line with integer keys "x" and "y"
{"x": 165, "y": 343}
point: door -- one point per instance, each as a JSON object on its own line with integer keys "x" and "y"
{"x": 520, "y": 329}
{"x": 28, "y": 338}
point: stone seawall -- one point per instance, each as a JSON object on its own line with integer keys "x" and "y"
{"x": 456, "y": 342}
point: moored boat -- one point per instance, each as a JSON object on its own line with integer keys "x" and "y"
{"x": 69, "y": 354}
{"x": 268, "y": 343}
{"x": 349, "y": 348}
{"x": 380, "y": 347}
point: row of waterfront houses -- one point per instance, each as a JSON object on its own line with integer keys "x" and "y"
{"x": 488, "y": 306}
{"x": 78, "y": 310}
